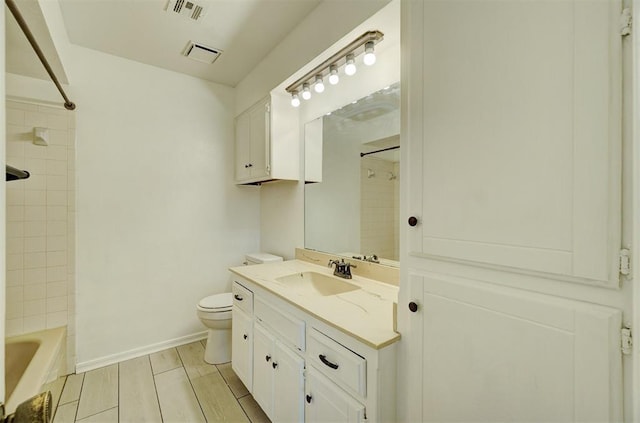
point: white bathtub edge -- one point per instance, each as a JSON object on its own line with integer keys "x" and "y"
{"x": 107, "y": 360}
{"x": 42, "y": 366}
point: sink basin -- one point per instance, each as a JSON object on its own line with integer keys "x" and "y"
{"x": 317, "y": 283}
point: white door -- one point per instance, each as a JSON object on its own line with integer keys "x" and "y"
{"x": 511, "y": 145}
{"x": 325, "y": 402}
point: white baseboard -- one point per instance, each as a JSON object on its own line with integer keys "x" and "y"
{"x": 138, "y": 352}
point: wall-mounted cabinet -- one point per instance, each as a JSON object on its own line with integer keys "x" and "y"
{"x": 267, "y": 142}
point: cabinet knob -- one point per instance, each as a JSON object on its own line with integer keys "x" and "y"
{"x": 246, "y": 166}
{"x": 309, "y": 397}
{"x": 250, "y": 165}
{"x": 238, "y": 297}
{"x": 267, "y": 357}
{"x": 245, "y": 336}
{"x": 413, "y": 307}
{"x": 327, "y": 363}
{"x": 274, "y": 364}
{"x": 413, "y": 221}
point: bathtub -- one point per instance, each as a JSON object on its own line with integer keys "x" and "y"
{"x": 31, "y": 361}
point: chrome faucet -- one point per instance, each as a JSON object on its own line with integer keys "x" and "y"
{"x": 342, "y": 268}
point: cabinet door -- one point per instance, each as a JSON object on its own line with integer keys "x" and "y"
{"x": 288, "y": 401}
{"x": 513, "y": 134}
{"x": 260, "y": 139}
{"x": 242, "y": 346}
{"x": 263, "y": 371}
{"x": 242, "y": 145}
{"x": 325, "y": 402}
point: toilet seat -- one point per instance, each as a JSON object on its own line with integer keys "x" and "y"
{"x": 218, "y": 303}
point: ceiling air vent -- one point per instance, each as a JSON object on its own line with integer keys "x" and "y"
{"x": 186, "y": 8}
{"x": 201, "y": 53}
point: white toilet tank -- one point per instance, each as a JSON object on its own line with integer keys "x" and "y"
{"x": 259, "y": 258}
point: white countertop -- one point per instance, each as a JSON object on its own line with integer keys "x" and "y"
{"x": 365, "y": 314}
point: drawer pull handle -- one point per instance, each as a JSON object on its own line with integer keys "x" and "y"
{"x": 237, "y": 297}
{"x": 274, "y": 364}
{"x": 245, "y": 336}
{"x": 326, "y": 362}
{"x": 309, "y": 397}
{"x": 267, "y": 357}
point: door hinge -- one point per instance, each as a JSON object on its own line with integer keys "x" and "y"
{"x": 626, "y": 340}
{"x": 625, "y": 22}
{"x": 624, "y": 262}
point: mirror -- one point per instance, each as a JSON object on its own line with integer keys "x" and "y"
{"x": 352, "y": 167}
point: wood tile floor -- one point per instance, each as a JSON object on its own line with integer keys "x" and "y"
{"x": 174, "y": 385}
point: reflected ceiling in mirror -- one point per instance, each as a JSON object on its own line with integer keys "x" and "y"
{"x": 352, "y": 208}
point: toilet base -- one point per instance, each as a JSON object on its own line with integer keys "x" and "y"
{"x": 218, "y": 348}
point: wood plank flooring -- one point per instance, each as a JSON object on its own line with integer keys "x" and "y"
{"x": 174, "y": 385}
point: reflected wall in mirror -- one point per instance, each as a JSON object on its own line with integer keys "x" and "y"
{"x": 352, "y": 168}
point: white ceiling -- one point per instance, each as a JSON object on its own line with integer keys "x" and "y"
{"x": 142, "y": 30}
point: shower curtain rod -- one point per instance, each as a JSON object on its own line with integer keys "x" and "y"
{"x": 68, "y": 104}
{"x": 379, "y": 151}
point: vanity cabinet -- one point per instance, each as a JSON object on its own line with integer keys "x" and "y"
{"x": 304, "y": 370}
{"x": 278, "y": 377}
{"x": 266, "y": 145}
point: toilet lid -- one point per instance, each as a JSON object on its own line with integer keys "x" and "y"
{"x": 218, "y": 302}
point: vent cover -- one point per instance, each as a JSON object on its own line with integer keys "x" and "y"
{"x": 201, "y": 53}
{"x": 187, "y": 9}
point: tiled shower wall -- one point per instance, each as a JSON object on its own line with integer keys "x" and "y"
{"x": 379, "y": 207}
{"x": 41, "y": 222}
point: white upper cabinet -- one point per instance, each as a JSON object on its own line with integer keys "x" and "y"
{"x": 514, "y": 135}
{"x": 266, "y": 142}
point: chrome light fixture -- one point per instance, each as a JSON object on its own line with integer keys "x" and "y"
{"x": 329, "y": 68}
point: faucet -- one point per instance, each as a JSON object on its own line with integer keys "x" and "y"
{"x": 342, "y": 268}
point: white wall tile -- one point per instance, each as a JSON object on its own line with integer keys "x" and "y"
{"x": 56, "y": 258}
{"x": 35, "y": 260}
{"x": 15, "y": 117}
{"x": 35, "y": 323}
{"x": 57, "y": 212}
{"x": 56, "y": 227}
{"x": 35, "y": 182}
{"x": 57, "y": 198}
{"x": 15, "y": 245}
{"x": 15, "y": 277}
{"x": 57, "y": 243}
{"x": 35, "y": 119}
{"x": 35, "y": 198}
{"x": 56, "y": 304}
{"x": 35, "y": 292}
{"x": 35, "y": 244}
{"x": 33, "y": 151}
{"x": 36, "y": 166}
{"x": 15, "y": 229}
{"x": 57, "y": 122}
{"x": 56, "y": 152}
{"x": 57, "y": 289}
{"x": 56, "y": 167}
{"x": 15, "y": 213}
{"x": 56, "y": 319}
{"x": 34, "y": 307}
{"x": 36, "y": 213}
{"x": 14, "y": 327}
{"x": 57, "y": 182}
{"x": 35, "y": 276}
{"x": 35, "y": 228}
{"x": 56, "y": 273}
{"x": 15, "y": 261}
{"x": 19, "y": 105}
{"x": 15, "y": 197}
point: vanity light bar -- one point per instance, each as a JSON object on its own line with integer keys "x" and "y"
{"x": 363, "y": 43}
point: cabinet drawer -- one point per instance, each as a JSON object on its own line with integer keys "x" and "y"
{"x": 242, "y": 298}
{"x": 338, "y": 362}
{"x": 288, "y": 327}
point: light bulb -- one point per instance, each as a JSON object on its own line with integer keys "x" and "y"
{"x": 306, "y": 94}
{"x": 319, "y": 86}
{"x": 333, "y": 75}
{"x": 350, "y": 69}
{"x": 369, "y": 56}
{"x": 295, "y": 100}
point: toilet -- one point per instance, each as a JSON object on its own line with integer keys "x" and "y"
{"x": 214, "y": 312}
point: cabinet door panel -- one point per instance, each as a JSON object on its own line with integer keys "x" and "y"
{"x": 328, "y": 403}
{"x": 288, "y": 401}
{"x": 263, "y": 374}
{"x": 515, "y": 137}
{"x": 242, "y": 346}
{"x": 242, "y": 145}
{"x": 259, "y": 139}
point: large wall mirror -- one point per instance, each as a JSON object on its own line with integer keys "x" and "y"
{"x": 352, "y": 172}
